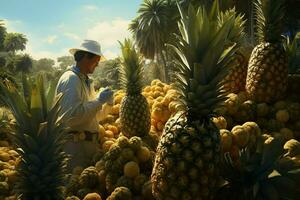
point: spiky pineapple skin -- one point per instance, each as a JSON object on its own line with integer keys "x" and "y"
{"x": 267, "y": 73}
{"x": 235, "y": 81}
{"x": 89, "y": 177}
{"x": 135, "y": 116}
{"x": 186, "y": 164}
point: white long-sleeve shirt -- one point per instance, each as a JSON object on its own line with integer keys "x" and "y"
{"x": 79, "y": 103}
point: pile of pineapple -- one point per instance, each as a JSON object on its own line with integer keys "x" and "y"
{"x": 123, "y": 162}
{"x": 9, "y": 159}
{"x": 128, "y": 163}
{"x": 162, "y": 103}
{"x": 241, "y": 121}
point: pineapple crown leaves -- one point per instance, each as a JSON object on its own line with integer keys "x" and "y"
{"x": 131, "y": 69}
{"x": 237, "y": 33}
{"x": 293, "y": 52}
{"x": 263, "y": 171}
{"x": 202, "y": 60}
{"x": 39, "y": 138}
{"x": 269, "y": 20}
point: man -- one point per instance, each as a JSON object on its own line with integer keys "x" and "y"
{"x": 80, "y": 106}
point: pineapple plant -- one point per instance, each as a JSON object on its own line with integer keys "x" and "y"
{"x": 293, "y": 50}
{"x": 236, "y": 79}
{"x": 188, "y": 153}
{"x": 268, "y": 66}
{"x": 265, "y": 173}
{"x": 134, "y": 112}
{"x": 39, "y": 138}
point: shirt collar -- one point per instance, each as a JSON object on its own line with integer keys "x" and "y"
{"x": 76, "y": 70}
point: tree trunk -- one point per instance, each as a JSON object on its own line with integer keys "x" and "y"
{"x": 165, "y": 71}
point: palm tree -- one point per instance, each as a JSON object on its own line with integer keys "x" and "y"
{"x": 2, "y": 34}
{"x": 24, "y": 63}
{"x": 153, "y": 28}
{"x": 14, "y": 42}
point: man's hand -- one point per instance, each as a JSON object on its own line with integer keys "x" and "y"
{"x": 105, "y": 95}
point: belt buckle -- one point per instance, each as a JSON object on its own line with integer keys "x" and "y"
{"x": 82, "y": 136}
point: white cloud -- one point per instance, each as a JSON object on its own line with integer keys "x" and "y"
{"x": 31, "y": 49}
{"x": 90, "y": 7}
{"x": 110, "y": 54}
{"x": 72, "y": 36}
{"x": 51, "y": 39}
{"x": 61, "y": 25}
{"x": 109, "y": 32}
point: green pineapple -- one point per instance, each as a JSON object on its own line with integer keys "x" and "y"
{"x": 268, "y": 66}
{"x": 134, "y": 111}
{"x": 188, "y": 154}
{"x": 39, "y": 139}
{"x": 236, "y": 79}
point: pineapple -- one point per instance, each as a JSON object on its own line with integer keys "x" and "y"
{"x": 188, "y": 154}
{"x": 39, "y": 138}
{"x": 120, "y": 193}
{"x": 236, "y": 79}
{"x": 134, "y": 112}
{"x": 89, "y": 177}
{"x": 268, "y": 67}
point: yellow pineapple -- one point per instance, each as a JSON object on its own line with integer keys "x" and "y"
{"x": 268, "y": 66}
{"x": 134, "y": 110}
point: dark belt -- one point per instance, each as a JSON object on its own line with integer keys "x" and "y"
{"x": 88, "y": 134}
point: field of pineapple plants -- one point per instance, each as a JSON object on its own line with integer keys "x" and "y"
{"x": 226, "y": 126}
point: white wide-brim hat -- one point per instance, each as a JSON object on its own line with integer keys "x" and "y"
{"x": 91, "y": 46}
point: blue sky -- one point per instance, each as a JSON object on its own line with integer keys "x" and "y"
{"x": 52, "y": 27}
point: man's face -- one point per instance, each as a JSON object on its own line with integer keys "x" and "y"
{"x": 92, "y": 63}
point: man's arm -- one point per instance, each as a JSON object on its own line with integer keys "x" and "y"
{"x": 72, "y": 102}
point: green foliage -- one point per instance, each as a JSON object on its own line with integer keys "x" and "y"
{"x": 24, "y": 63}
{"x": 269, "y": 20}
{"x": 2, "y": 35}
{"x": 153, "y": 27}
{"x": 131, "y": 69}
{"x": 65, "y": 62}
{"x": 203, "y": 53}
{"x": 107, "y": 74}
{"x": 43, "y": 64}
{"x": 293, "y": 51}
{"x": 14, "y": 42}
{"x": 39, "y": 137}
{"x": 262, "y": 172}
{"x": 7, "y": 77}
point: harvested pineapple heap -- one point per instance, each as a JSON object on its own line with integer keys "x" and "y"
{"x": 128, "y": 163}
{"x": 9, "y": 159}
{"x": 250, "y": 131}
{"x": 162, "y": 103}
{"x": 243, "y": 120}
